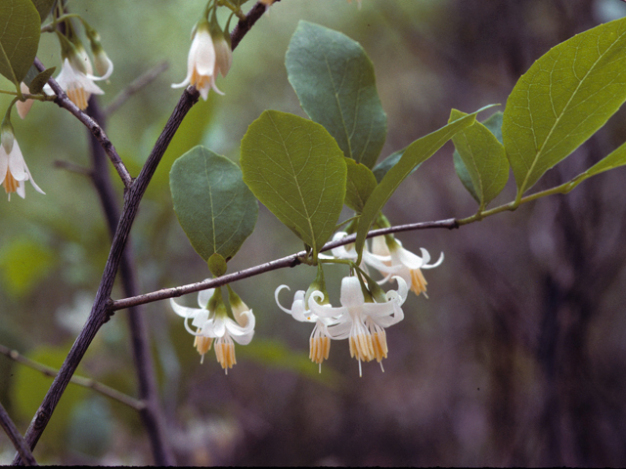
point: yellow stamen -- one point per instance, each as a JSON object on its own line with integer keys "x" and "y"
{"x": 10, "y": 183}
{"x": 225, "y": 353}
{"x": 79, "y": 97}
{"x": 379, "y": 341}
{"x": 418, "y": 282}
{"x": 319, "y": 349}
{"x": 200, "y": 81}
{"x": 361, "y": 347}
{"x": 202, "y": 344}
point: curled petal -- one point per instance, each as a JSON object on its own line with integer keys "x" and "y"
{"x": 183, "y": 311}
{"x": 426, "y": 258}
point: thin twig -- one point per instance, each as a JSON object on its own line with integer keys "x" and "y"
{"x": 137, "y": 85}
{"x": 16, "y": 438}
{"x": 78, "y": 380}
{"x": 72, "y": 167}
{"x": 63, "y": 101}
{"x": 288, "y": 261}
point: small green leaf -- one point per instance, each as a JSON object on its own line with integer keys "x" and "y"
{"x": 297, "y": 170}
{"x": 335, "y": 83}
{"x": 215, "y": 208}
{"x": 484, "y": 160}
{"x": 43, "y": 7}
{"x": 416, "y": 153}
{"x": 361, "y": 183}
{"x": 565, "y": 96}
{"x": 19, "y": 38}
{"x": 36, "y": 85}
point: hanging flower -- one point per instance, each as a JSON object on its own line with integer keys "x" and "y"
{"x": 403, "y": 263}
{"x": 211, "y": 323}
{"x": 201, "y": 62}
{"x": 319, "y": 342}
{"x": 13, "y": 170}
{"x": 78, "y": 85}
{"x": 362, "y": 322}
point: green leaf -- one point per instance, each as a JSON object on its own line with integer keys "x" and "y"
{"x": 36, "y": 84}
{"x": 43, "y": 8}
{"x": 215, "y": 208}
{"x": 335, "y": 83}
{"x": 613, "y": 160}
{"x": 463, "y": 174}
{"x": 484, "y": 160}
{"x": 385, "y": 165}
{"x": 565, "y": 96}
{"x": 295, "y": 168}
{"x": 494, "y": 124}
{"x": 19, "y": 38}
{"x": 361, "y": 183}
{"x": 416, "y": 153}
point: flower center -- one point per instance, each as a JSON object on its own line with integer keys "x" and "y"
{"x": 203, "y": 345}
{"x": 418, "y": 282}
{"x": 10, "y": 183}
{"x": 319, "y": 346}
{"x": 78, "y": 96}
{"x": 225, "y": 352}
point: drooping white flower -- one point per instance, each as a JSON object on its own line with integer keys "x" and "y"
{"x": 319, "y": 342}
{"x": 403, "y": 263}
{"x": 362, "y": 322}
{"x": 209, "y": 325}
{"x": 77, "y": 85}
{"x": 201, "y": 62}
{"x": 13, "y": 170}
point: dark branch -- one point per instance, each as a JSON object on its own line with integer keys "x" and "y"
{"x": 16, "y": 438}
{"x": 288, "y": 261}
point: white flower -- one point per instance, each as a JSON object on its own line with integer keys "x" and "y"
{"x": 13, "y": 169}
{"x": 319, "y": 342}
{"x": 360, "y": 321}
{"x": 216, "y": 325}
{"x": 78, "y": 85}
{"x": 403, "y": 263}
{"x": 201, "y": 63}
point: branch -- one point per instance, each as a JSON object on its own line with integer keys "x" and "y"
{"x": 288, "y": 261}
{"x": 78, "y": 380}
{"x": 16, "y": 438}
{"x": 151, "y": 414}
{"x": 100, "y": 312}
{"x": 63, "y": 101}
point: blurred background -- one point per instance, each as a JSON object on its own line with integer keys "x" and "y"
{"x": 517, "y": 358}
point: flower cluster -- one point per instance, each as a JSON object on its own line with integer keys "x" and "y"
{"x": 211, "y": 322}
{"x": 361, "y": 318}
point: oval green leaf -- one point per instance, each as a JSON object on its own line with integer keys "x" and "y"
{"x": 483, "y": 159}
{"x": 19, "y": 38}
{"x": 565, "y": 96}
{"x": 361, "y": 183}
{"x": 297, "y": 170}
{"x": 215, "y": 208}
{"x": 335, "y": 83}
